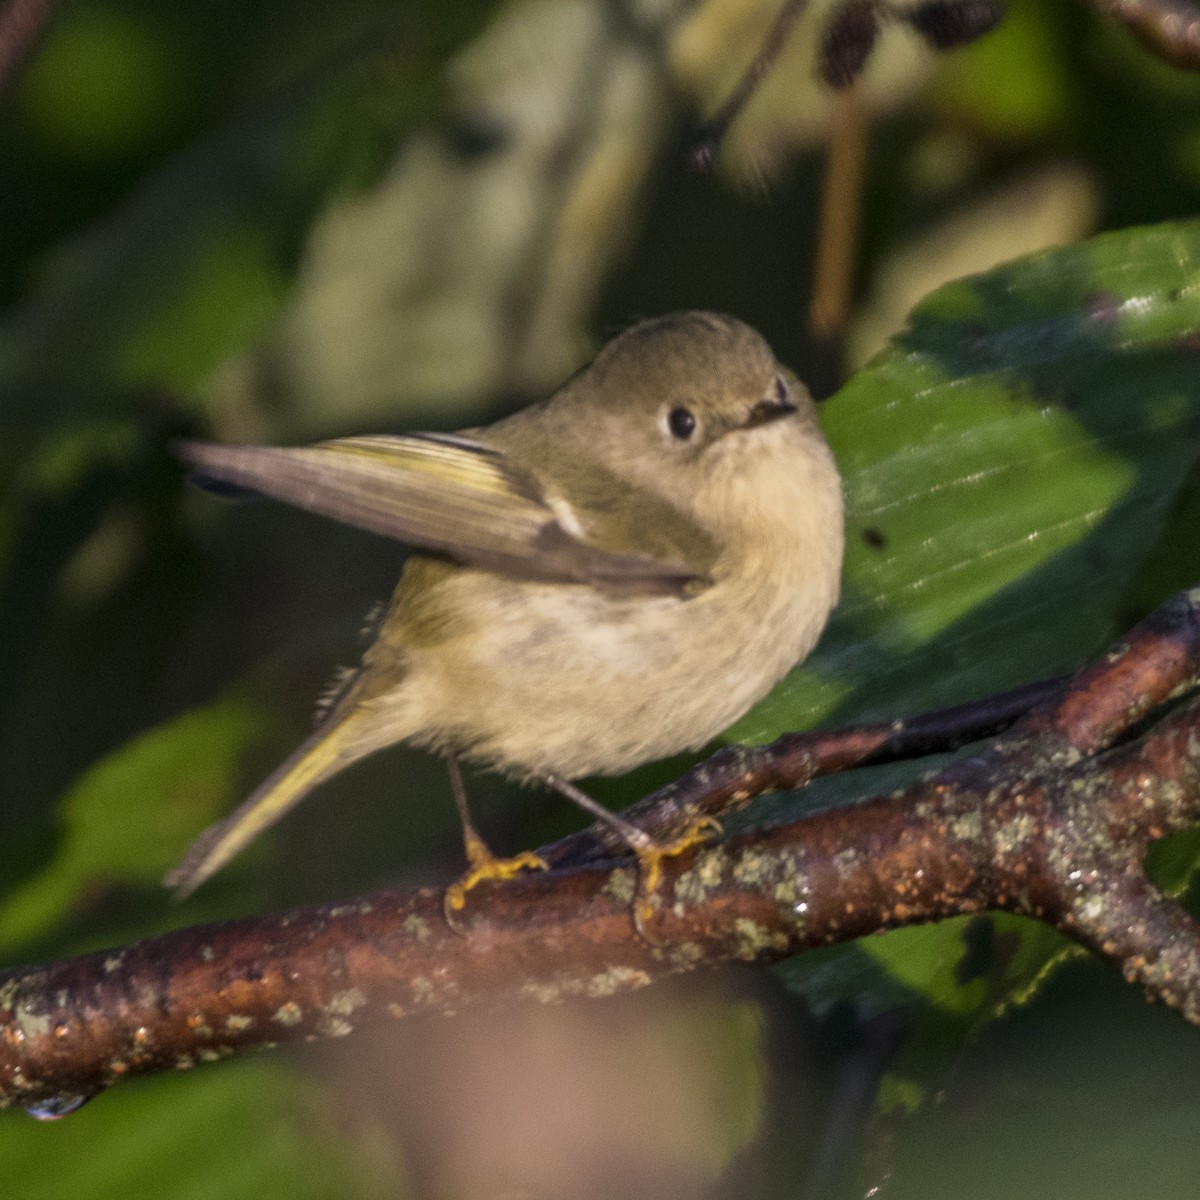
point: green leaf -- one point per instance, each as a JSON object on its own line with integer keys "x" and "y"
{"x": 1009, "y": 461}
{"x": 1090, "y": 1093}
{"x": 1013, "y": 463}
{"x": 1011, "y": 81}
{"x": 249, "y": 1130}
{"x": 105, "y": 84}
{"x": 130, "y": 816}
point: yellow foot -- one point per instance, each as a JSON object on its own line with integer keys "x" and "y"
{"x": 650, "y": 868}
{"x": 486, "y": 867}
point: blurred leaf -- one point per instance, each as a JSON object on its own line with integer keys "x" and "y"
{"x": 470, "y": 271}
{"x": 1053, "y": 207}
{"x": 230, "y": 291}
{"x": 992, "y": 959}
{"x": 129, "y": 817}
{"x": 245, "y": 1131}
{"x": 1090, "y": 1093}
{"x": 70, "y": 453}
{"x": 105, "y": 83}
{"x": 187, "y": 271}
{"x": 1011, "y": 81}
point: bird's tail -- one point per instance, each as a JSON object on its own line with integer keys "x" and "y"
{"x": 334, "y": 745}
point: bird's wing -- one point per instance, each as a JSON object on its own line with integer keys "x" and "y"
{"x": 446, "y": 494}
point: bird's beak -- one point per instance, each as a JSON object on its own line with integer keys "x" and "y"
{"x": 766, "y": 411}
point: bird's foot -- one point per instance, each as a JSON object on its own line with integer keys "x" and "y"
{"x": 650, "y": 857}
{"x": 485, "y": 866}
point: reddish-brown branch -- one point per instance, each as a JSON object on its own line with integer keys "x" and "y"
{"x": 732, "y": 777}
{"x": 21, "y": 22}
{"x": 1156, "y": 942}
{"x": 1158, "y": 660}
{"x": 1037, "y": 823}
{"x": 76, "y": 1027}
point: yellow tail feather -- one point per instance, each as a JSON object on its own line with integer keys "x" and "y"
{"x": 326, "y": 752}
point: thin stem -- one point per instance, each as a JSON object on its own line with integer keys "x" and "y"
{"x": 841, "y": 211}
{"x": 713, "y": 131}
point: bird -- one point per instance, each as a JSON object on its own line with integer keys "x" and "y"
{"x": 605, "y": 578}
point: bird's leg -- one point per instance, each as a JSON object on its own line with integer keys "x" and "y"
{"x": 649, "y": 851}
{"x": 484, "y": 864}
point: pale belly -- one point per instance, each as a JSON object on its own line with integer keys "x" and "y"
{"x": 565, "y": 679}
{"x": 568, "y": 681}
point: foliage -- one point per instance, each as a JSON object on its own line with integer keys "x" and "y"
{"x": 252, "y": 220}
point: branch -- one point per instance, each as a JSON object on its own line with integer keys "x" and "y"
{"x": 732, "y": 777}
{"x": 1046, "y": 820}
{"x": 850, "y": 30}
{"x": 21, "y": 22}
{"x": 1169, "y": 29}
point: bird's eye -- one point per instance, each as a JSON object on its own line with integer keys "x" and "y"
{"x": 681, "y": 422}
{"x": 782, "y": 393}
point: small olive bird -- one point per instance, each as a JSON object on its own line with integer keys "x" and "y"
{"x": 607, "y": 577}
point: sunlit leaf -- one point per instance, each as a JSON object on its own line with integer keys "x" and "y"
{"x": 1008, "y": 461}
{"x": 1011, "y": 461}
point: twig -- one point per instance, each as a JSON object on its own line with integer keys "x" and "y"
{"x": 1046, "y": 820}
{"x": 848, "y": 40}
{"x": 712, "y": 132}
{"x": 841, "y": 213}
{"x": 727, "y": 781}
